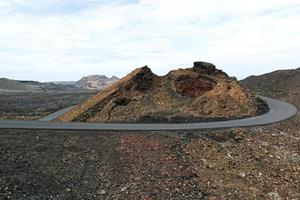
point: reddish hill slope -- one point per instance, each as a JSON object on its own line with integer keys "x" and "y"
{"x": 201, "y": 93}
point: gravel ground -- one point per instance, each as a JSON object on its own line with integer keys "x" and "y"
{"x": 256, "y": 163}
{"x": 34, "y": 105}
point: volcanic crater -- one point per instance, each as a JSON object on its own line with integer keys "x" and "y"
{"x": 198, "y": 94}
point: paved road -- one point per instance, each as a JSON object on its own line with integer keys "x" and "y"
{"x": 52, "y": 116}
{"x": 279, "y": 111}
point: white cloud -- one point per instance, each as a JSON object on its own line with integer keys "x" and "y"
{"x": 242, "y": 37}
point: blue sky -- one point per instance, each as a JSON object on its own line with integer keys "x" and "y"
{"x": 51, "y": 40}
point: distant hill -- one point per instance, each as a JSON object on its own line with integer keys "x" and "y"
{"x": 95, "y": 82}
{"x": 283, "y": 84}
{"x": 63, "y": 82}
{"x": 34, "y": 86}
{"x": 7, "y": 84}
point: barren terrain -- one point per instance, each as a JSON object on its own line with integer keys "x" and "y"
{"x": 35, "y": 105}
{"x": 252, "y": 163}
{"x": 259, "y": 163}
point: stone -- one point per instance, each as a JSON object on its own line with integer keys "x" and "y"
{"x": 242, "y": 174}
{"x": 101, "y": 192}
{"x": 204, "y": 67}
{"x": 274, "y": 196}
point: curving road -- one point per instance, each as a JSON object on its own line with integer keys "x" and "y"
{"x": 279, "y": 111}
{"x": 54, "y": 115}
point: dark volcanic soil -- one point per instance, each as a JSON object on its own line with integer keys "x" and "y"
{"x": 260, "y": 163}
{"x": 35, "y": 105}
{"x": 257, "y": 163}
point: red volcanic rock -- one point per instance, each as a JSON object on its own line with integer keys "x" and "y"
{"x": 193, "y": 85}
{"x": 200, "y": 93}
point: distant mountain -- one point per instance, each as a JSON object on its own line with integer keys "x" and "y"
{"x": 283, "y": 84}
{"x": 34, "y": 86}
{"x": 95, "y": 82}
{"x": 7, "y": 84}
{"x": 63, "y": 82}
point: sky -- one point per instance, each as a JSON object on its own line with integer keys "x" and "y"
{"x": 63, "y": 40}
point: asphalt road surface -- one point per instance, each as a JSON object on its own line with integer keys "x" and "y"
{"x": 56, "y": 114}
{"x": 279, "y": 111}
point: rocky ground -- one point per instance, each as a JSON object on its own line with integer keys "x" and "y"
{"x": 258, "y": 163}
{"x": 250, "y": 163}
{"x": 34, "y": 105}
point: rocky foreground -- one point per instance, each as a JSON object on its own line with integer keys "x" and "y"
{"x": 201, "y": 93}
{"x": 250, "y": 163}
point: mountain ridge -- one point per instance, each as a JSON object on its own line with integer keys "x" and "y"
{"x": 95, "y": 82}
{"x": 100, "y": 82}
{"x": 279, "y": 84}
